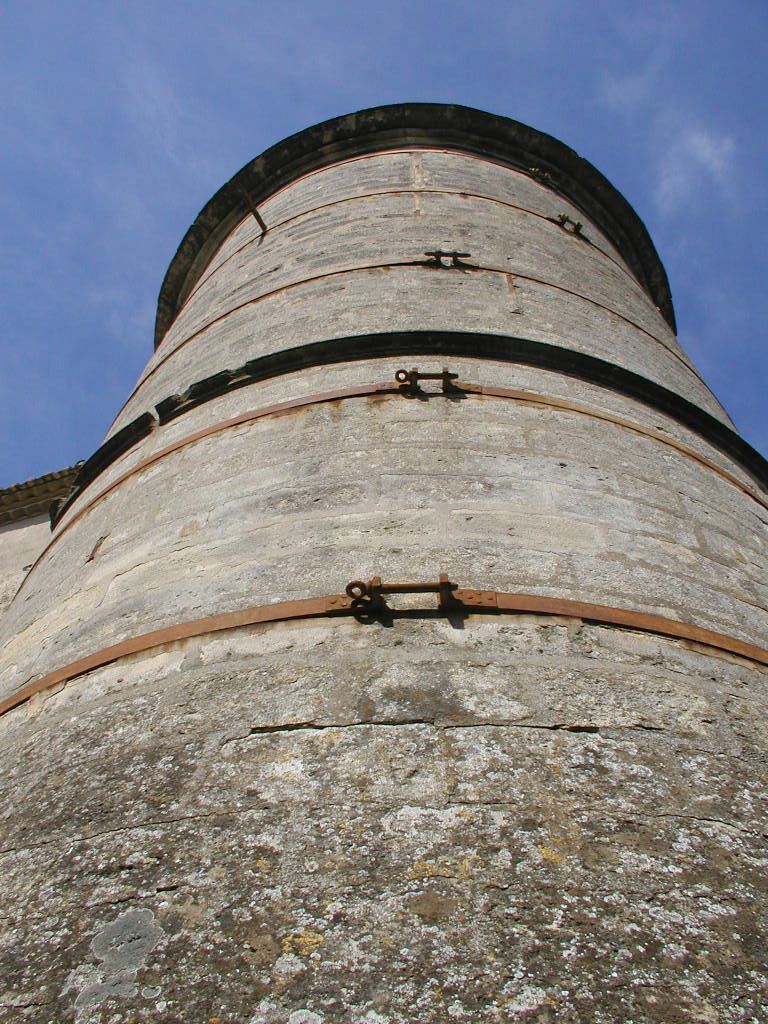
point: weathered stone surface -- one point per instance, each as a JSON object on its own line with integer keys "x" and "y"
{"x": 428, "y": 819}
{"x": 518, "y": 820}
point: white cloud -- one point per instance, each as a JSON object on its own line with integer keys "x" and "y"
{"x": 695, "y": 157}
{"x": 650, "y": 95}
{"x": 633, "y": 91}
{"x": 643, "y": 62}
{"x": 173, "y": 126}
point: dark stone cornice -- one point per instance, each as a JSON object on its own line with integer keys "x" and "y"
{"x": 417, "y": 124}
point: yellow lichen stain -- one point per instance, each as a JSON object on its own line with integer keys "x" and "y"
{"x": 467, "y": 865}
{"x": 464, "y": 868}
{"x": 438, "y": 995}
{"x": 262, "y": 864}
{"x": 553, "y": 856}
{"x": 304, "y": 943}
{"x": 428, "y": 869}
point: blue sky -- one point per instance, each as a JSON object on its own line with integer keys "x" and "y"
{"x": 119, "y": 121}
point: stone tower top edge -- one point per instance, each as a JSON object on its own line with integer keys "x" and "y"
{"x": 430, "y": 125}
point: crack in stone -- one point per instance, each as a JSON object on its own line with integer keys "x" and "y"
{"x": 26, "y": 1006}
{"x": 318, "y": 727}
{"x": 266, "y": 730}
{"x": 135, "y": 897}
{"x": 712, "y": 821}
{"x": 129, "y": 828}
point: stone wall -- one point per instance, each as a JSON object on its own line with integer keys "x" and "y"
{"x": 332, "y": 266}
{"x": 429, "y": 817}
{"x": 565, "y": 826}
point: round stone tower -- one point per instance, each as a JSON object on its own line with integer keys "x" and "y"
{"x": 400, "y": 657}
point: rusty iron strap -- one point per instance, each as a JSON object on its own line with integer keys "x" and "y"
{"x": 406, "y": 384}
{"x": 531, "y": 398}
{"x": 505, "y": 349}
{"x": 280, "y": 612}
{"x": 364, "y": 600}
{"x": 366, "y": 390}
{"x": 452, "y": 387}
{"x": 511, "y": 145}
{"x": 550, "y": 184}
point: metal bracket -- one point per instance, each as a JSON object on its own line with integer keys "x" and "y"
{"x": 438, "y": 258}
{"x": 368, "y": 598}
{"x": 253, "y": 208}
{"x": 409, "y": 380}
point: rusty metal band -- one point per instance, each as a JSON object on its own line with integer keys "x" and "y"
{"x": 383, "y": 389}
{"x": 338, "y": 394}
{"x": 277, "y": 409}
{"x": 557, "y": 403}
{"x": 411, "y": 150}
{"x": 336, "y": 605}
{"x": 404, "y": 265}
{"x": 214, "y": 268}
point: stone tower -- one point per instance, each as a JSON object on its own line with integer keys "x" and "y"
{"x": 517, "y": 770}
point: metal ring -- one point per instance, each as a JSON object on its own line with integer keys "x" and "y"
{"x": 357, "y": 590}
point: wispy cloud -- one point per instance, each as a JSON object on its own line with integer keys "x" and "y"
{"x": 687, "y": 156}
{"x": 630, "y": 92}
{"x": 153, "y": 107}
{"x": 167, "y": 123}
{"x": 694, "y": 158}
